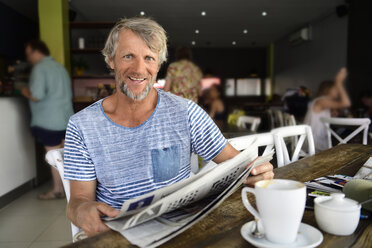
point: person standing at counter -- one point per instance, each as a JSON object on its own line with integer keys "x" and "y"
{"x": 50, "y": 98}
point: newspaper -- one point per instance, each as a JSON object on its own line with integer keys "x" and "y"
{"x": 365, "y": 172}
{"x": 137, "y": 204}
{"x": 156, "y": 232}
{"x": 183, "y": 193}
{"x": 156, "y": 217}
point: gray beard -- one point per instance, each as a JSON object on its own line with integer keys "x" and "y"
{"x": 126, "y": 91}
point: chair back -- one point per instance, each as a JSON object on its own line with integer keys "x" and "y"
{"x": 262, "y": 139}
{"x": 55, "y": 159}
{"x": 282, "y": 154}
{"x": 289, "y": 120}
{"x": 363, "y": 124}
{"x": 278, "y": 118}
{"x": 253, "y": 121}
{"x": 194, "y": 163}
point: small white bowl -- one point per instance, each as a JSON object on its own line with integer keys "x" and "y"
{"x": 337, "y": 215}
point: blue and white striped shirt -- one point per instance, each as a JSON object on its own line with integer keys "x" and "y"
{"x": 129, "y": 162}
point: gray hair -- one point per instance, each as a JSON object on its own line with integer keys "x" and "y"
{"x": 150, "y": 31}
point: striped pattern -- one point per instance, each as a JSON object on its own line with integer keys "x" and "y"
{"x": 119, "y": 158}
{"x": 206, "y": 139}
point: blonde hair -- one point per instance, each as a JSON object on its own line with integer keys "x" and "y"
{"x": 149, "y": 30}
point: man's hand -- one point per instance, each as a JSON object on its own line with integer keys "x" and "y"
{"x": 262, "y": 172}
{"x": 89, "y": 216}
{"x": 25, "y": 91}
{"x": 259, "y": 173}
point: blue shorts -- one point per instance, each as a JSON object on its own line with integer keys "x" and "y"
{"x": 48, "y": 137}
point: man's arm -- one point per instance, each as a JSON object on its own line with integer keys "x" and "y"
{"x": 84, "y": 211}
{"x": 167, "y": 85}
{"x": 27, "y": 93}
{"x": 259, "y": 173}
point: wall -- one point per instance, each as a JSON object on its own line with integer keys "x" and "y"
{"x": 311, "y": 62}
{"x": 15, "y": 30}
{"x": 17, "y": 146}
{"x": 359, "y": 53}
{"x": 226, "y": 62}
{"x": 54, "y": 29}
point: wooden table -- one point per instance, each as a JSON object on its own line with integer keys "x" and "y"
{"x": 221, "y": 228}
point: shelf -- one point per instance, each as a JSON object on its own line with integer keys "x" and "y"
{"x": 91, "y": 25}
{"x": 85, "y": 50}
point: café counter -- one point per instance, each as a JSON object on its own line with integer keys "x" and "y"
{"x": 17, "y": 146}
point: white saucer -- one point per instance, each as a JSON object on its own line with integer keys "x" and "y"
{"x": 308, "y": 236}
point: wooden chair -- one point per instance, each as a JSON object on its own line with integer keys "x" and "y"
{"x": 363, "y": 124}
{"x": 253, "y": 121}
{"x": 55, "y": 159}
{"x": 282, "y": 154}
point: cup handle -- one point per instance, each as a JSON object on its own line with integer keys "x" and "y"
{"x": 246, "y": 202}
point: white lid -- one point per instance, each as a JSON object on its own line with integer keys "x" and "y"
{"x": 338, "y": 201}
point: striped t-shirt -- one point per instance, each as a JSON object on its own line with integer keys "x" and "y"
{"x": 129, "y": 162}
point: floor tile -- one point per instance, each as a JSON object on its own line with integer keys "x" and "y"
{"x": 14, "y": 244}
{"x": 49, "y": 244}
{"x": 21, "y": 229}
{"x": 60, "y": 229}
{"x": 28, "y": 204}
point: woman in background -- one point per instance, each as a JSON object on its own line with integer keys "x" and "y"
{"x": 183, "y": 76}
{"x": 331, "y": 97}
{"x": 215, "y": 106}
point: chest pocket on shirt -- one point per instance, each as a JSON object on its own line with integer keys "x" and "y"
{"x": 166, "y": 163}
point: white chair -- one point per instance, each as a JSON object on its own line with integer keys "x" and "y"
{"x": 270, "y": 117}
{"x": 278, "y": 118}
{"x": 363, "y": 124}
{"x": 262, "y": 139}
{"x": 253, "y": 121}
{"x": 289, "y": 120}
{"x": 282, "y": 154}
{"x": 194, "y": 163}
{"x": 243, "y": 142}
{"x": 55, "y": 159}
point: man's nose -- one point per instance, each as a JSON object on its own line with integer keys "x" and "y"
{"x": 139, "y": 66}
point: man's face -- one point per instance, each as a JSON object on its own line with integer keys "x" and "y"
{"x": 31, "y": 55}
{"x": 135, "y": 65}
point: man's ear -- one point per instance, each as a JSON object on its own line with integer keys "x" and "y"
{"x": 111, "y": 63}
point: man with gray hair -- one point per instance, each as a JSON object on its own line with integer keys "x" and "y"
{"x": 139, "y": 139}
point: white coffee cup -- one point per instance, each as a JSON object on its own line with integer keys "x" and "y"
{"x": 281, "y": 205}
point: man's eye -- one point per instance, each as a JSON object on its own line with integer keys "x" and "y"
{"x": 128, "y": 56}
{"x": 150, "y": 58}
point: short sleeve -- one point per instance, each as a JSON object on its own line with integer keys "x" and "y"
{"x": 78, "y": 164}
{"x": 38, "y": 83}
{"x": 206, "y": 139}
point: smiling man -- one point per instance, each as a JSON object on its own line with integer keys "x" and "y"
{"x": 139, "y": 139}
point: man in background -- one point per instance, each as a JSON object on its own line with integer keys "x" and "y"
{"x": 183, "y": 76}
{"x": 50, "y": 96}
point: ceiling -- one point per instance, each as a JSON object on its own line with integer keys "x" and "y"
{"x": 223, "y": 23}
